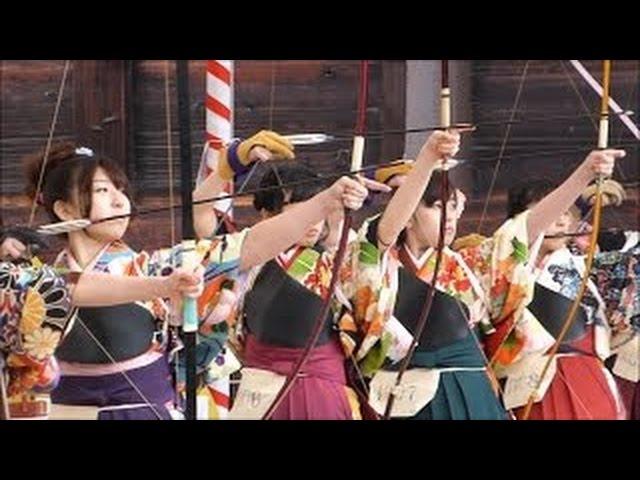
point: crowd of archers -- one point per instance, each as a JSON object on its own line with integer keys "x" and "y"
{"x": 98, "y": 330}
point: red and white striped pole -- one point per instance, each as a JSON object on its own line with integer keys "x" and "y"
{"x": 219, "y": 121}
{"x": 219, "y": 131}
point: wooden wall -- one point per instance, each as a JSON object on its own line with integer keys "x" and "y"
{"x": 118, "y": 107}
{"x": 556, "y": 128}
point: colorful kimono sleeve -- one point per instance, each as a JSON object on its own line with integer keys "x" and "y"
{"x": 221, "y": 259}
{"x": 362, "y": 327}
{"x": 35, "y": 314}
{"x": 500, "y": 263}
{"x": 617, "y": 276}
{"x": 219, "y": 256}
{"x": 224, "y": 253}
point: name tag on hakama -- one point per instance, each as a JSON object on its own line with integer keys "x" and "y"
{"x": 523, "y": 377}
{"x": 627, "y": 364}
{"x": 416, "y": 390}
{"x": 257, "y": 391}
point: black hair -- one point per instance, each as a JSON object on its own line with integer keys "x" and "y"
{"x": 283, "y": 173}
{"x": 521, "y": 196}
{"x": 68, "y": 176}
{"x": 433, "y": 192}
{"x": 431, "y": 195}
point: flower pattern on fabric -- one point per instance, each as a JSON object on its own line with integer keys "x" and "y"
{"x": 617, "y": 275}
{"x": 219, "y": 256}
{"x": 362, "y": 301}
{"x": 318, "y": 280}
{"x": 221, "y": 259}
{"x": 568, "y": 280}
{"x": 35, "y": 312}
{"x": 41, "y": 343}
{"x": 504, "y": 285}
{"x": 561, "y": 272}
{"x": 497, "y": 262}
{"x": 373, "y": 290}
{"x": 35, "y": 307}
{"x": 452, "y": 278}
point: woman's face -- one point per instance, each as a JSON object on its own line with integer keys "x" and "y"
{"x": 107, "y": 200}
{"x": 425, "y": 222}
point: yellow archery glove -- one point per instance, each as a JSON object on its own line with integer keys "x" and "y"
{"x": 384, "y": 174}
{"x": 471, "y": 240}
{"x": 612, "y": 193}
{"x": 275, "y": 143}
{"x": 235, "y": 160}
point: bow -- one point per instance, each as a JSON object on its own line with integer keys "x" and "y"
{"x": 603, "y": 137}
{"x": 622, "y": 114}
{"x": 445, "y": 122}
{"x": 64, "y": 227}
{"x": 356, "y": 163}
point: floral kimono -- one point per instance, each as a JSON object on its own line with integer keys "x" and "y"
{"x": 576, "y": 386}
{"x": 35, "y": 314}
{"x": 118, "y": 358}
{"x": 480, "y": 289}
{"x": 283, "y": 300}
{"x": 617, "y": 274}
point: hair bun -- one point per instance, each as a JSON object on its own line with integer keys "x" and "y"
{"x": 59, "y": 153}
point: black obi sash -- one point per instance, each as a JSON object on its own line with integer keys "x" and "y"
{"x": 447, "y": 321}
{"x": 551, "y": 309}
{"x": 280, "y": 311}
{"x": 125, "y": 331}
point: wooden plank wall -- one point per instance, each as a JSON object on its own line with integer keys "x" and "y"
{"x": 287, "y": 96}
{"x": 28, "y": 93}
{"x": 296, "y": 96}
{"x": 558, "y": 113}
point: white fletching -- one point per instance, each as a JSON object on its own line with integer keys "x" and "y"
{"x": 64, "y": 227}
{"x": 308, "y": 138}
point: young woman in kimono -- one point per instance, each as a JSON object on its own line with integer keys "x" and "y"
{"x": 480, "y": 290}
{"x": 577, "y": 387}
{"x": 616, "y": 273}
{"x": 116, "y": 358}
{"x": 37, "y": 312}
{"x": 282, "y": 298}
